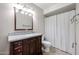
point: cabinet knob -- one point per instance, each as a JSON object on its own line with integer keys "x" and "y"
{"x": 73, "y": 45}
{"x": 19, "y": 47}
{"x": 19, "y": 50}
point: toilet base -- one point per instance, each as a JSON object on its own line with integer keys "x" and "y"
{"x": 46, "y": 46}
{"x": 46, "y": 49}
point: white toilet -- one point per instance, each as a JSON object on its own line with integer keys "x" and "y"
{"x": 46, "y": 45}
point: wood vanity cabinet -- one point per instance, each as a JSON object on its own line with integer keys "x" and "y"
{"x": 30, "y": 46}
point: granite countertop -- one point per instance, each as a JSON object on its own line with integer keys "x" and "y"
{"x": 15, "y": 36}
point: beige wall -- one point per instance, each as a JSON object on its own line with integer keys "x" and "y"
{"x": 38, "y": 19}
{"x": 7, "y": 24}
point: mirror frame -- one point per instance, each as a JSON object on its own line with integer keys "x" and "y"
{"x": 15, "y": 22}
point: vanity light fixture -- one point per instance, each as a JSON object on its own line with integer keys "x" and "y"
{"x": 18, "y": 6}
{"x": 23, "y": 9}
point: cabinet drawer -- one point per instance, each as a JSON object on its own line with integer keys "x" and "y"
{"x": 18, "y": 50}
{"x": 17, "y": 47}
{"x": 17, "y": 43}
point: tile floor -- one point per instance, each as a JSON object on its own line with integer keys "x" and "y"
{"x": 54, "y": 51}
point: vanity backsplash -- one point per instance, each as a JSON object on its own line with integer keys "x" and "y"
{"x": 20, "y": 33}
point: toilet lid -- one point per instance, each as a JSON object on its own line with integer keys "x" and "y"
{"x": 46, "y": 42}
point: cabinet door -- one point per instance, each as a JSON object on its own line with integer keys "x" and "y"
{"x": 32, "y": 46}
{"x": 26, "y": 49}
{"x": 66, "y": 32}
{"x": 70, "y": 42}
{"x": 38, "y": 46}
{"x": 77, "y": 35}
{"x": 35, "y": 46}
{"x": 63, "y": 31}
{"x": 59, "y": 31}
{"x": 50, "y": 23}
{"x": 53, "y": 29}
{"x": 47, "y": 29}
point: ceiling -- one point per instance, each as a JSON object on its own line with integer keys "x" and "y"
{"x": 44, "y": 5}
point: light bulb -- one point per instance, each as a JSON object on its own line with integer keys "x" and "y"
{"x": 18, "y": 6}
{"x": 17, "y": 10}
{"x": 22, "y": 12}
{"x": 24, "y": 9}
{"x": 30, "y": 11}
{"x": 26, "y": 13}
{"x": 30, "y": 14}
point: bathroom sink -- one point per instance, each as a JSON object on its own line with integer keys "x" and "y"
{"x": 21, "y": 35}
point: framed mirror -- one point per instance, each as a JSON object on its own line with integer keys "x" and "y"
{"x": 22, "y": 21}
